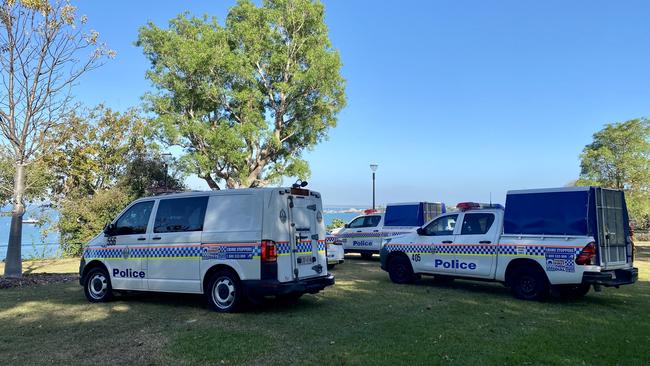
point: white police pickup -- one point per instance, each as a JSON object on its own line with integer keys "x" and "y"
{"x": 231, "y": 245}
{"x": 364, "y": 234}
{"x": 564, "y": 239}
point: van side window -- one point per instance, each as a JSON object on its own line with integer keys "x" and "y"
{"x": 477, "y": 223}
{"x": 180, "y": 214}
{"x": 134, "y": 220}
{"x": 441, "y": 226}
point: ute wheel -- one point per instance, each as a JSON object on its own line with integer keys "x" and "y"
{"x": 97, "y": 285}
{"x": 574, "y": 291}
{"x": 529, "y": 283}
{"x": 367, "y": 256}
{"x": 224, "y": 292}
{"x": 400, "y": 270}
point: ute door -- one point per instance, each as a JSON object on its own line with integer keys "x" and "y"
{"x": 476, "y": 245}
{"x": 434, "y": 252}
{"x": 363, "y": 234}
{"x": 307, "y": 237}
{"x": 125, "y": 247}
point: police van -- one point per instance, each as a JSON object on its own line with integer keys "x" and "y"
{"x": 563, "y": 240}
{"x": 364, "y": 234}
{"x": 231, "y": 245}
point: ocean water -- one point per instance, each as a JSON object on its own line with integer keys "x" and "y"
{"x": 38, "y": 245}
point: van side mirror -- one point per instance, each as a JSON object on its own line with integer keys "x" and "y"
{"x": 109, "y": 229}
{"x": 420, "y": 231}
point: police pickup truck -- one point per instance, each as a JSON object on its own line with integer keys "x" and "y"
{"x": 364, "y": 234}
{"x": 564, "y": 239}
{"x": 232, "y": 246}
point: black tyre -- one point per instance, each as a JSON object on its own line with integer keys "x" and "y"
{"x": 574, "y": 291}
{"x": 330, "y": 266}
{"x": 400, "y": 270}
{"x": 529, "y": 283}
{"x": 224, "y": 292}
{"x": 367, "y": 256}
{"x": 97, "y": 285}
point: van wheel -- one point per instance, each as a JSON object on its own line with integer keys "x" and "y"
{"x": 574, "y": 291}
{"x": 529, "y": 284}
{"x": 224, "y": 292}
{"x": 400, "y": 270}
{"x": 367, "y": 256}
{"x": 97, "y": 285}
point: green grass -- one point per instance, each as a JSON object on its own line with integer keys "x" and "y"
{"x": 363, "y": 319}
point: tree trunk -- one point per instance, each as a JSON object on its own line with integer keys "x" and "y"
{"x": 14, "y": 264}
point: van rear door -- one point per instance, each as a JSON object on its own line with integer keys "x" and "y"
{"x": 307, "y": 235}
{"x": 614, "y": 248}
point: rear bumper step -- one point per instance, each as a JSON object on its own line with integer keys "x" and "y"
{"x": 612, "y": 278}
{"x": 274, "y": 287}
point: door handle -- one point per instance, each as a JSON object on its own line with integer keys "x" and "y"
{"x": 447, "y": 242}
{"x": 485, "y": 242}
{"x": 375, "y": 231}
{"x": 156, "y": 238}
{"x": 142, "y": 238}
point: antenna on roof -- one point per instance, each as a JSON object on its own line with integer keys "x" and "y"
{"x": 490, "y": 199}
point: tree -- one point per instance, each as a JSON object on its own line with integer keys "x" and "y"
{"x": 245, "y": 100}
{"x": 619, "y": 157}
{"x": 103, "y": 161}
{"x": 335, "y": 224}
{"x": 40, "y": 46}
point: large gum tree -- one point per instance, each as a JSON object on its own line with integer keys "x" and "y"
{"x": 245, "y": 99}
{"x": 44, "y": 49}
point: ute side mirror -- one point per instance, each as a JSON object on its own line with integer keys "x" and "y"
{"x": 420, "y": 231}
{"x": 109, "y": 229}
{"x": 347, "y": 226}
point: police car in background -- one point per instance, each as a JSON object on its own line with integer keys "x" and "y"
{"x": 364, "y": 234}
{"x": 565, "y": 239}
{"x": 232, "y": 246}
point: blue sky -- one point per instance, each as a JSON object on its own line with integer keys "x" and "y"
{"x": 455, "y": 100}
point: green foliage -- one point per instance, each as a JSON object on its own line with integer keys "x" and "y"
{"x": 619, "y": 157}
{"x": 103, "y": 162}
{"x": 83, "y": 217}
{"x": 39, "y": 179}
{"x": 245, "y": 100}
{"x": 335, "y": 224}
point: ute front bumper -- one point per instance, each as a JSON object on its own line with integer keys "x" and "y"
{"x": 615, "y": 278}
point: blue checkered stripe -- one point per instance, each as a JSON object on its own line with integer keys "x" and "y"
{"x": 173, "y": 252}
{"x": 412, "y": 248}
{"x": 304, "y": 247}
{"x": 107, "y": 253}
{"x": 321, "y": 245}
{"x": 522, "y": 250}
{"x": 466, "y": 249}
{"x": 372, "y": 235}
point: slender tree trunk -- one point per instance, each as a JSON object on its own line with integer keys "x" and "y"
{"x": 14, "y": 264}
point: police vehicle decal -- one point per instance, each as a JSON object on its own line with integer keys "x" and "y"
{"x": 302, "y": 247}
{"x": 371, "y": 235}
{"x": 193, "y": 251}
{"x": 477, "y": 249}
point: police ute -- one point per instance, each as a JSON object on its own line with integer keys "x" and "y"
{"x": 364, "y": 234}
{"x": 560, "y": 241}
{"x": 232, "y": 246}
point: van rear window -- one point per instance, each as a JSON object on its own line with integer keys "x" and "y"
{"x": 180, "y": 214}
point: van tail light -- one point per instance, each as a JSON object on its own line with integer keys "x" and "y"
{"x": 587, "y": 254}
{"x": 269, "y": 251}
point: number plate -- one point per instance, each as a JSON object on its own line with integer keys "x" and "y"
{"x": 304, "y": 260}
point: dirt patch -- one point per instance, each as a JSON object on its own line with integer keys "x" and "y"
{"x": 37, "y": 279}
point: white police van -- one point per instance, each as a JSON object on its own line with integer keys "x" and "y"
{"x": 364, "y": 234}
{"x": 231, "y": 245}
{"x": 564, "y": 239}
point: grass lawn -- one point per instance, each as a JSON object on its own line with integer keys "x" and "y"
{"x": 363, "y": 319}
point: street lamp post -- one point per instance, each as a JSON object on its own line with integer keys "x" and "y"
{"x": 373, "y": 167}
{"x": 166, "y": 157}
